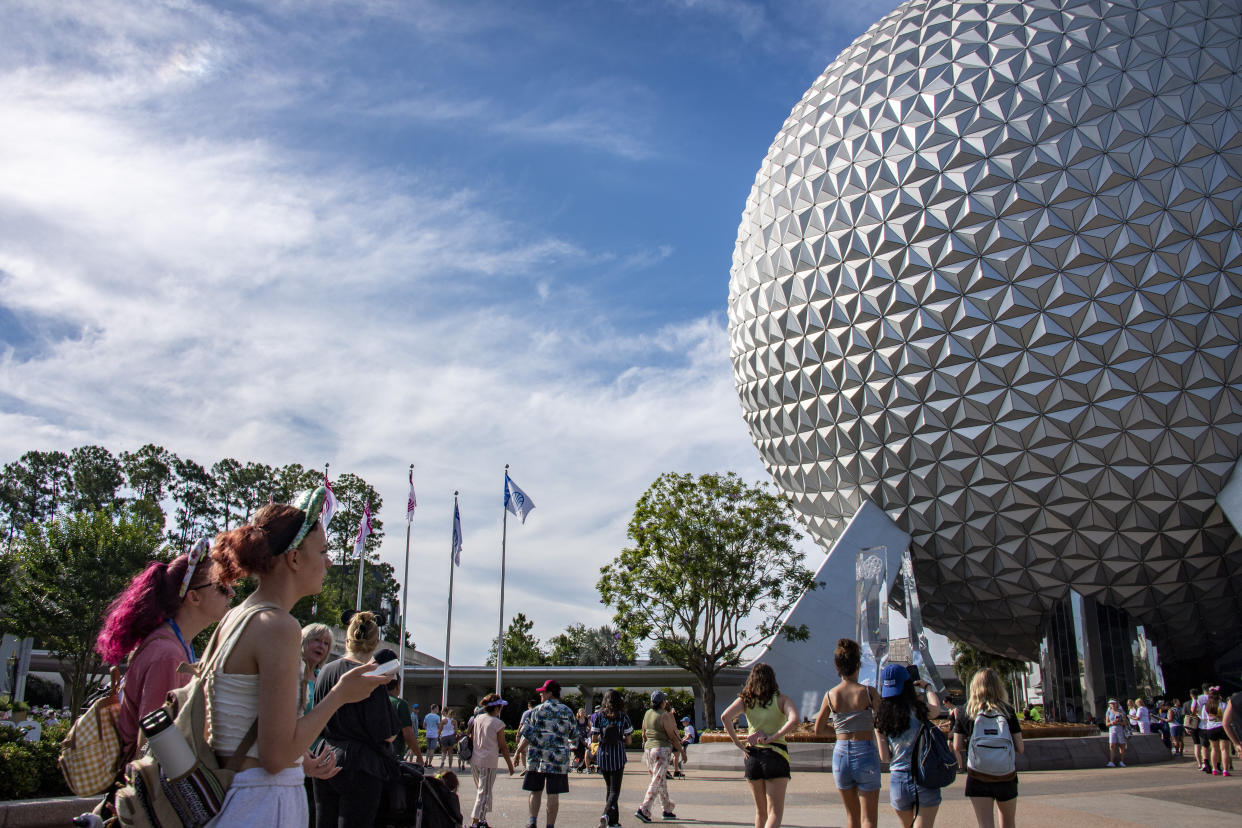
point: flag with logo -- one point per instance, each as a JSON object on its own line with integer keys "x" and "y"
{"x": 411, "y": 502}
{"x": 456, "y": 534}
{"x": 329, "y": 504}
{"x": 364, "y": 529}
{"x": 516, "y": 500}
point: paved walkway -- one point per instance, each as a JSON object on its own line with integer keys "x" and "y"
{"x": 1169, "y": 795}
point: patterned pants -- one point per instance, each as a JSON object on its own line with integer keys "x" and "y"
{"x": 657, "y": 762}
{"x": 484, "y": 778}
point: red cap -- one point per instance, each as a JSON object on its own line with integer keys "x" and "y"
{"x": 550, "y": 686}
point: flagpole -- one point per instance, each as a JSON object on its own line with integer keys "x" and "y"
{"x": 500, "y": 635}
{"x": 448, "y": 633}
{"x": 405, "y": 594}
{"x": 362, "y": 554}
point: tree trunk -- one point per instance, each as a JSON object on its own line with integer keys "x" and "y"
{"x": 709, "y": 703}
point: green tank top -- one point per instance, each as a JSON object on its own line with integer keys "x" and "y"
{"x": 769, "y": 718}
{"x": 654, "y": 735}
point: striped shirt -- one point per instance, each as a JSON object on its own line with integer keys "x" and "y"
{"x": 610, "y": 757}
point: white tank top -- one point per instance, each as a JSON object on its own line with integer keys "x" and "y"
{"x": 233, "y": 703}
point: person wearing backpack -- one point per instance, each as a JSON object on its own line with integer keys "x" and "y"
{"x": 992, "y": 737}
{"x": 612, "y": 730}
{"x": 153, "y": 621}
{"x": 253, "y": 696}
{"x": 898, "y": 722}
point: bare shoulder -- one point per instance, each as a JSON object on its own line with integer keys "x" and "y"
{"x": 275, "y": 622}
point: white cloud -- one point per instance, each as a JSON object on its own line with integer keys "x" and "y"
{"x": 239, "y": 299}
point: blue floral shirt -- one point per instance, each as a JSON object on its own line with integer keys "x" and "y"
{"x": 550, "y": 731}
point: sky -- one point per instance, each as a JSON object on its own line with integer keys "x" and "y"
{"x": 383, "y": 232}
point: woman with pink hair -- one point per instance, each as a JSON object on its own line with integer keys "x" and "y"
{"x": 153, "y": 621}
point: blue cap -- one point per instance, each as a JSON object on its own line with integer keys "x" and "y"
{"x": 893, "y": 680}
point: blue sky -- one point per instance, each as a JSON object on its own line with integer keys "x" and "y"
{"x": 376, "y": 233}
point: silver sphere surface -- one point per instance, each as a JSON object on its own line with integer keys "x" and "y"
{"x": 989, "y": 276}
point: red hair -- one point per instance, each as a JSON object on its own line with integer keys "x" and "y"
{"x": 149, "y": 600}
{"x": 252, "y": 549}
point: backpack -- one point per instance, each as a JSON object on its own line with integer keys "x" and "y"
{"x": 991, "y": 745}
{"x": 92, "y": 755}
{"x": 465, "y": 746}
{"x": 150, "y": 799}
{"x": 610, "y": 733}
{"x": 933, "y": 763}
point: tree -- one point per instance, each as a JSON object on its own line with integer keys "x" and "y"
{"x": 33, "y": 488}
{"x": 96, "y": 477}
{"x": 149, "y": 471}
{"x": 193, "y": 489}
{"x": 712, "y": 572}
{"x": 66, "y": 572}
{"x": 591, "y": 647}
{"x": 522, "y": 649}
{"x": 968, "y": 660}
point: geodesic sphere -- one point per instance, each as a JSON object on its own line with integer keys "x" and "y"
{"x": 990, "y": 277}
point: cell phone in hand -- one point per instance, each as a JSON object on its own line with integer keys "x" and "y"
{"x": 914, "y": 673}
{"x": 388, "y": 663}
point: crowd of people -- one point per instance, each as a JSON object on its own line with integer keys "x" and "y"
{"x": 323, "y": 740}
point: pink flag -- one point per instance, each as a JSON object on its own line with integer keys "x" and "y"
{"x": 412, "y": 502}
{"x": 364, "y": 529}
{"x": 329, "y": 504}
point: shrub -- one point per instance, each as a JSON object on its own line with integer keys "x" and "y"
{"x": 19, "y": 771}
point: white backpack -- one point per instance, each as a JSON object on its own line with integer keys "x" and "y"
{"x": 991, "y": 745}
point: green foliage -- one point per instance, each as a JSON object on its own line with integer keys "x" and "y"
{"x": 968, "y": 660}
{"x": 711, "y": 572}
{"x": 19, "y": 771}
{"x": 522, "y": 649}
{"x": 34, "y": 762}
{"x": 67, "y": 572}
{"x": 591, "y": 647}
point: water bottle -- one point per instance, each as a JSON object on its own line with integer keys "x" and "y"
{"x": 170, "y": 748}
{"x": 88, "y": 821}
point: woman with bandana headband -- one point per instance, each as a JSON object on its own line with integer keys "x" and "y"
{"x": 153, "y": 621}
{"x": 252, "y": 702}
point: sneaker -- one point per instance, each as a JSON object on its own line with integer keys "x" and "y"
{"x": 1111, "y": 765}
{"x": 642, "y": 815}
{"x": 603, "y": 821}
{"x": 679, "y": 775}
{"x": 1207, "y": 769}
{"x": 1224, "y": 773}
{"x": 670, "y": 815}
{"x": 1121, "y": 764}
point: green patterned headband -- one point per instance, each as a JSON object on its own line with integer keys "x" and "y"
{"x": 311, "y": 503}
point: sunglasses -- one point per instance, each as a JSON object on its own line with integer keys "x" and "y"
{"x": 223, "y": 589}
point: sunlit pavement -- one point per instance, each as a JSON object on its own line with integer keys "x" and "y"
{"x": 1169, "y": 795}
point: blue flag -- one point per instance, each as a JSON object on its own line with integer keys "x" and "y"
{"x": 516, "y": 500}
{"x": 456, "y": 534}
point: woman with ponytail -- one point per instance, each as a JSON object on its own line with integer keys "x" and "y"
{"x": 254, "y": 683}
{"x": 153, "y": 621}
{"x": 360, "y": 734}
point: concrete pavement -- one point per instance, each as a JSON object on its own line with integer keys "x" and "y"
{"x": 1168, "y": 795}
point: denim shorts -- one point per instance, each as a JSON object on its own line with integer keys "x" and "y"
{"x": 901, "y": 791}
{"x": 856, "y": 765}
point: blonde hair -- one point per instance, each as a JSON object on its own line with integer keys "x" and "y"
{"x": 363, "y": 634}
{"x": 315, "y": 631}
{"x": 987, "y": 691}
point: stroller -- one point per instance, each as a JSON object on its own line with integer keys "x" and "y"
{"x": 419, "y": 800}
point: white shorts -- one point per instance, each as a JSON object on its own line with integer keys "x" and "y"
{"x": 1116, "y": 735}
{"x": 258, "y": 799}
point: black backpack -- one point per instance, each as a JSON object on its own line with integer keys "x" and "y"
{"x": 610, "y": 733}
{"x": 933, "y": 762}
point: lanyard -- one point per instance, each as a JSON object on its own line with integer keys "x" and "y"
{"x": 189, "y": 653}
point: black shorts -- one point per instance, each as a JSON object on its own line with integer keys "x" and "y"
{"x": 1194, "y": 734}
{"x": 1216, "y": 734}
{"x": 766, "y": 763}
{"x": 1000, "y": 791}
{"x": 557, "y": 783}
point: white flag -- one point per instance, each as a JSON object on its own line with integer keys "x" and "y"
{"x": 364, "y": 529}
{"x": 412, "y": 502}
{"x": 516, "y": 500}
